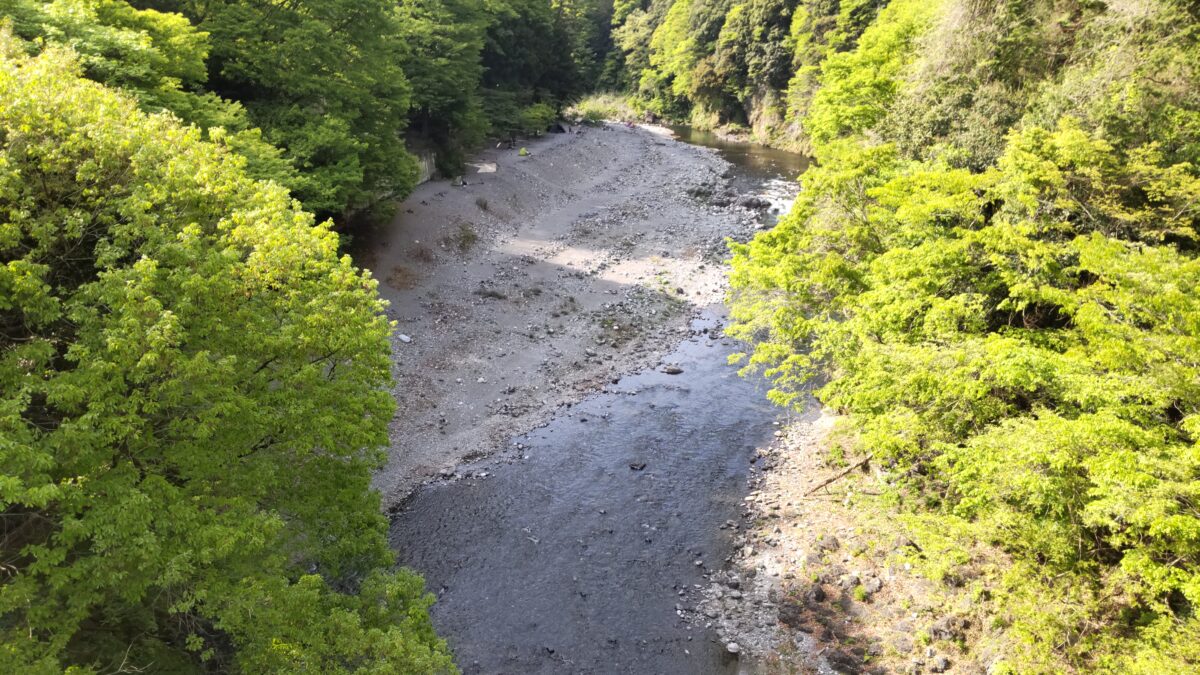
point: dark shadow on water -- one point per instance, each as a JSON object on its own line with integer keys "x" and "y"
{"x": 756, "y": 163}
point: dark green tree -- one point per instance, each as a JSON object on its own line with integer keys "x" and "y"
{"x": 324, "y": 81}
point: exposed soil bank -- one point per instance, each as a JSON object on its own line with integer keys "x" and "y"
{"x": 538, "y": 283}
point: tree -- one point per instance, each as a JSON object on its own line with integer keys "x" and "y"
{"x": 324, "y": 81}
{"x": 192, "y": 398}
{"x": 443, "y": 41}
{"x": 1008, "y": 321}
{"x": 158, "y": 57}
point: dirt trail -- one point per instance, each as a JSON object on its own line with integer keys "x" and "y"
{"x": 537, "y": 283}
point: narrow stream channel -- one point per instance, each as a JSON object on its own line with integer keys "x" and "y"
{"x": 583, "y": 546}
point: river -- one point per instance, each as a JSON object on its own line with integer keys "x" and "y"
{"x": 583, "y": 546}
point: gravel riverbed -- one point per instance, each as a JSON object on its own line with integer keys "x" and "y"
{"x": 541, "y": 279}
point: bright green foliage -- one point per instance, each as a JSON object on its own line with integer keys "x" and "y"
{"x": 159, "y": 57}
{"x": 1010, "y": 318}
{"x": 536, "y": 118}
{"x": 631, "y": 39}
{"x": 672, "y": 53}
{"x": 858, "y": 86}
{"x": 751, "y": 63}
{"x": 320, "y": 95}
{"x": 335, "y": 100}
{"x": 751, "y": 53}
{"x": 192, "y": 398}
{"x": 603, "y": 106}
{"x": 820, "y": 28}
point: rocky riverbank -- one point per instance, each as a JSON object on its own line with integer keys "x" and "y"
{"x": 824, "y": 577}
{"x": 536, "y": 279}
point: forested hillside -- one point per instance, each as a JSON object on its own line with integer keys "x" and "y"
{"x": 320, "y": 96}
{"x": 994, "y": 273}
{"x": 740, "y": 66}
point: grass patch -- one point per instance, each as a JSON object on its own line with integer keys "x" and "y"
{"x": 604, "y": 106}
{"x": 463, "y": 239}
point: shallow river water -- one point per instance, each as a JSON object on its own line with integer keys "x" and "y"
{"x": 583, "y": 546}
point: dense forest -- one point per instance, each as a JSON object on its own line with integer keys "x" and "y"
{"x": 739, "y": 66}
{"x": 320, "y": 96}
{"x": 994, "y": 273}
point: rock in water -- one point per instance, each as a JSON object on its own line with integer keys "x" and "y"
{"x": 672, "y": 370}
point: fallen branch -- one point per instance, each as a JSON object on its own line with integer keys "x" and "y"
{"x": 847, "y": 470}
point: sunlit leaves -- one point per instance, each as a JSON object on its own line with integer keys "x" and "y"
{"x": 192, "y": 398}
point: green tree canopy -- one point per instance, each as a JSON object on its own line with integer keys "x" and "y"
{"x": 1005, "y": 307}
{"x": 192, "y": 397}
{"x": 324, "y": 81}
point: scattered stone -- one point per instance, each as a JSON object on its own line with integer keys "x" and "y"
{"x": 403, "y": 338}
{"x": 637, "y": 466}
{"x": 733, "y": 648}
{"x": 829, "y": 543}
{"x": 940, "y": 664}
{"x": 754, "y": 202}
{"x": 791, "y": 614}
{"x": 873, "y": 585}
{"x": 949, "y": 628}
